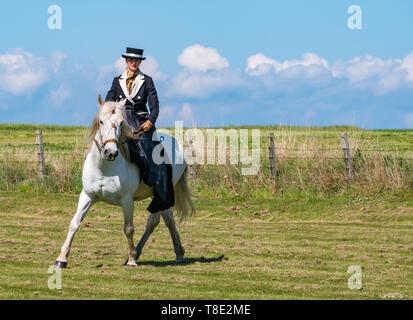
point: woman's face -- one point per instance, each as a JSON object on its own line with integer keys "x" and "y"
{"x": 133, "y": 64}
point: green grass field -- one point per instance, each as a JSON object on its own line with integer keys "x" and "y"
{"x": 284, "y": 248}
{"x": 253, "y": 238}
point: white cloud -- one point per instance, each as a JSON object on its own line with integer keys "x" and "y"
{"x": 201, "y": 58}
{"x": 388, "y": 83}
{"x": 21, "y": 72}
{"x": 378, "y": 75}
{"x": 407, "y": 65}
{"x": 120, "y": 65}
{"x": 375, "y": 74}
{"x": 196, "y": 84}
{"x": 361, "y": 68}
{"x": 205, "y": 73}
{"x": 56, "y": 59}
{"x": 169, "y": 114}
{"x": 59, "y": 95}
{"x": 111, "y": 70}
{"x": 150, "y": 67}
{"x": 259, "y": 64}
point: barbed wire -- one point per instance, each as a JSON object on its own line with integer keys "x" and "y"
{"x": 52, "y": 152}
{"x": 86, "y": 131}
{"x": 65, "y": 153}
{"x": 228, "y": 151}
{"x": 220, "y": 165}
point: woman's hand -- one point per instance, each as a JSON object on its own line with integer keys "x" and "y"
{"x": 146, "y": 126}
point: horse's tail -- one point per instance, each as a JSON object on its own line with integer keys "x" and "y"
{"x": 184, "y": 206}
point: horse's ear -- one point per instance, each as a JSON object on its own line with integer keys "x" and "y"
{"x": 100, "y": 101}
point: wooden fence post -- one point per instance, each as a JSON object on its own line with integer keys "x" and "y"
{"x": 192, "y": 153}
{"x": 271, "y": 155}
{"x": 347, "y": 156}
{"x": 40, "y": 154}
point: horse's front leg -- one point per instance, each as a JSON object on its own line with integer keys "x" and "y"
{"x": 128, "y": 229}
{"x": 83, "y": 206}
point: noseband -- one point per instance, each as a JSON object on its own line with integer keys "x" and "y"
{"x": 101, "y": 145}
{"x": 111, "y": 140}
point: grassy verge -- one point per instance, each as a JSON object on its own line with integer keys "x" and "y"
{"x": 291, "y": 246}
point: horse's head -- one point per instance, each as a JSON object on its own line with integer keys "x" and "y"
{"x": 107, "y": 126}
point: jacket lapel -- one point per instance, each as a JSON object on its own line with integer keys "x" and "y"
{"x": 137, "y": 84}
{"x": 122, "y": 82}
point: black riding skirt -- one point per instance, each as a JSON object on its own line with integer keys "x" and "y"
{"x": 157, "y": 175}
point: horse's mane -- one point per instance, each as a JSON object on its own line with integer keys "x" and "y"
{"x": 106, "y": 111}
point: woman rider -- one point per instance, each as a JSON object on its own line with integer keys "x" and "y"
{"x": 138, "y": 89}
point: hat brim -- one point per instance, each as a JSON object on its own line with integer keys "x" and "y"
{"x": 132, "y": 55}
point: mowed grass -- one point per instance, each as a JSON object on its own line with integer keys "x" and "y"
{"x": 286, "y": 247}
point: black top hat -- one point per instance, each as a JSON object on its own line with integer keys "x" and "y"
{"x": 133, "y": 53}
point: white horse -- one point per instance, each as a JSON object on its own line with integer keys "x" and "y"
{"x": 108, "y": 176}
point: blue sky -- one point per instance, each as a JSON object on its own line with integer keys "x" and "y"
{"x": 213, "y": 62}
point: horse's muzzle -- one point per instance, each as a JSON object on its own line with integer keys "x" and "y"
{"x": 109, "y": 155}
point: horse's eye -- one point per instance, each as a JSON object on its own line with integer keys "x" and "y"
{"x": 100, "y": 121}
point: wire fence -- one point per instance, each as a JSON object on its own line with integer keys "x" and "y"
{"x": 53, "y": 150}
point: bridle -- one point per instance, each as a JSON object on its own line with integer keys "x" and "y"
{"x": 102, "y": 145}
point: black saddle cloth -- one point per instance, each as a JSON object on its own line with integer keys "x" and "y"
{"x": 157, "y": 175}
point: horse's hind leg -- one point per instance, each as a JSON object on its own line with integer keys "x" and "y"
{"x": 153, "y": 221}
{"x": 83, "y": 206}
{"x": 168, "y": 218}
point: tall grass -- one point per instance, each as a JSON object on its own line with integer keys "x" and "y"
{"x": 64, "y": 161}
{"x": 22, "y": 174}
{"x": 309, "y": 160}
{"x": 312, "y": 161}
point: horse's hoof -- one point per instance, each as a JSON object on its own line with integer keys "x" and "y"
{"x": 130, "y": 264}
{"x": 180, "y": 259}
{"x": 61, "y": 264}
